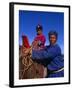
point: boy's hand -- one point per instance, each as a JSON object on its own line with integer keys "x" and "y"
{"x": 28, "y": 51}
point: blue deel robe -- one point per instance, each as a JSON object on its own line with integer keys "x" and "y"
{"x": 51, "y": 58}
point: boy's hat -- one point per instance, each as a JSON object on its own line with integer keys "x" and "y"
{"x": 39, "y": 27}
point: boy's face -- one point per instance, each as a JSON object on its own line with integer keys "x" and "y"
{"x": 52, "y": 39}
{"x": 39, "y": 32}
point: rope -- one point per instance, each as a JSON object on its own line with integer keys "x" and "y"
{"x": 27, "y": 62}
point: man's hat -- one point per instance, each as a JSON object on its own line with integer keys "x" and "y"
{"x": 39, "y": 27}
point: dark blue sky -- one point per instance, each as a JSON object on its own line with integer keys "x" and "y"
{"x": 28, "y": 20}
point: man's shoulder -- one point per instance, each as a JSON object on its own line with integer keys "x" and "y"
{"x": 54, "y": 46}
{"x": 57, "y": 45}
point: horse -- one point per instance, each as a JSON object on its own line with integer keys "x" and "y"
{"x": 28, "y": 69}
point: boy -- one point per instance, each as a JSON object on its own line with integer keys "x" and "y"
{"x": 39, "y": 41}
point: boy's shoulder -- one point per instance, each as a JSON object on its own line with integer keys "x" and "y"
{"x": 43, "y": 35}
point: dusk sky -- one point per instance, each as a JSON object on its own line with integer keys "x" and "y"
{"x": 28, "y": 20}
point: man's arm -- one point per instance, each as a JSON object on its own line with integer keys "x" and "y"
{"x": 39, "y": 54}
{"x": 46, "y": 54}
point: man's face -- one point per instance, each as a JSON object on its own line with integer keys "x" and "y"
{"x": 39, "y": 32}
{"x": 52, "y": 39}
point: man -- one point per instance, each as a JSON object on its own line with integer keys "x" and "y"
{"x": 51, "y": 57}
{"x": 39, "y": 41}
